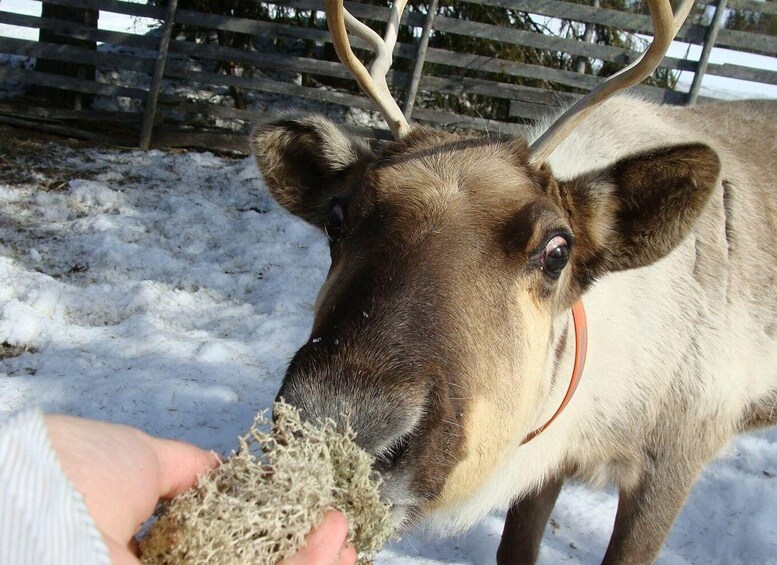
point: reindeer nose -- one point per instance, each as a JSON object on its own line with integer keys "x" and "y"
{"x": 311, "y": 406}
{"x": 379, "y": 417}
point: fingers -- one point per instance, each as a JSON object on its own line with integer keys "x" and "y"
{"x": 325, "y": 544}
{"x": 347, "y": 555}
{"x": 180, "y": 464}
{"x": 334, "y": 526}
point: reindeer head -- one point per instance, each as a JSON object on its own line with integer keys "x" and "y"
{"x": 453, "y": 260}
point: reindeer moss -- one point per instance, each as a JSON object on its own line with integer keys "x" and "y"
{"x": 259, "y": 504}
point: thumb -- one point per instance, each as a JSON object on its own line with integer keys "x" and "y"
{"x": 180, "y": 464}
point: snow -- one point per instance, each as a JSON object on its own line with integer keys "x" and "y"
{"x": 168, "y": 291}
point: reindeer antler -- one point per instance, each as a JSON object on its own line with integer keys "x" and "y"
{"x": 665, "y": 27}
{"x": 340, "y": 22}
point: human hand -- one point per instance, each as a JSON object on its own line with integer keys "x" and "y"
{"x": 326, "y": 544}
{"x": 122, "y": 473}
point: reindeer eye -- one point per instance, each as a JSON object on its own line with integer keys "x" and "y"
{"x": 555, "y": 256}
{"x": 333, "y": 227}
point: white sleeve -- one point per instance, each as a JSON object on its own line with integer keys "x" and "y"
{"x": 43, "y": 518}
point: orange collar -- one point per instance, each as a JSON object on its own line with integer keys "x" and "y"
{"x": 581, "y": 347}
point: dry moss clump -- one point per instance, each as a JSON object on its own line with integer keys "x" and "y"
{"x": 260, "y": 503}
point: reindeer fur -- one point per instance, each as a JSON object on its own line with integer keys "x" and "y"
{"x": 467, "y": 347}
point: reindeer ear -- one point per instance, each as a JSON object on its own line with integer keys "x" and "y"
{"x": 305, "y": 161}
{"x": 639, "y": 209}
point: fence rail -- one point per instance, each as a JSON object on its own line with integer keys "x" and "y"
{"x": 182, "y": 65}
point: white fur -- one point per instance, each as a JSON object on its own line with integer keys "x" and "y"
{"x": 640, "y": 326}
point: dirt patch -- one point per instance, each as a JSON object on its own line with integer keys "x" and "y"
{"x": 8, "y": 351}
{"x": 35, "y": 158}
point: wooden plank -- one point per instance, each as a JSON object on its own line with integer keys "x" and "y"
{"x": 26, "y": 110}
{"x": 341, "y": 98}
{"x": 451, "y": 25}
{"x": 484, "y": 31}
{"x": 515, "y": 36}
{"x": 520, "y": 109}
{"x": 228, "y": 23}
{"x": 752, "y": 5}
{"x": 745, "y": 40}
{"x": 72, "y": 54}
{"x": 79, "y": 31}
{"x": 69, "y": 83}
{"x": 223, "y": 141}
{"x": 67, "y": 131}
{"x": 636, "y": 23}
{"x": 459, "y": 60}
{"x": 541, "y": 41}
{"x": 149, "y": 111}
{"x": 568, "y": 78}
{"x": 335, "y": 69}
{"x": 626, "y": 21}
{"x": 452, "y": 120}
{"x": 328, "y": 68}
{"x": 452, "y": 85}
{"x": 268, "y": 85}
{"x": 116, "y": 6}
{"x": 494, "y": 65}
{"x": 229, "y": 141}
{"x": 466, "y": 85}
{"x": 249, "y": 116}
{"x": 260, "y": 60}
{"x": 451, "y": 58}
{"x": 541, "y": 98}
{"x": 743, "y": 73}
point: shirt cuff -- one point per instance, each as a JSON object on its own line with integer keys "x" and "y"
{"x": 43, "y": 518}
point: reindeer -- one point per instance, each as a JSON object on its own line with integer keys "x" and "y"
{"x": 463, "y": 270}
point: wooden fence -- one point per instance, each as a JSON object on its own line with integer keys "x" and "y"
{"x": 166, "y": 84}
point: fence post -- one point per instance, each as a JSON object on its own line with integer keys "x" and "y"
{"x": 418, "y": 69}
{"x": 149, "y": 113}
{"x": 709, "y": 42}
{"x": 588, "y": 35}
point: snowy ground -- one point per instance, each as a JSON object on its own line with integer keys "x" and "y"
{"x": 168, "y": 291}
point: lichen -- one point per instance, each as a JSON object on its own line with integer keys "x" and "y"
{"x": 259, "y": 504}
